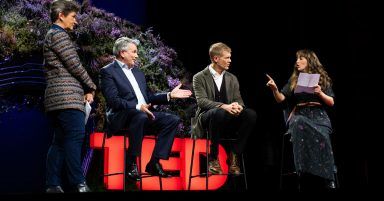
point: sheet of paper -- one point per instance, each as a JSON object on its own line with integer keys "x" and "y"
{"x": 88, "y": 109}
{"x": 306, "y": 83}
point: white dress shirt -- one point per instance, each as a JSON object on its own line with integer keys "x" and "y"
{"x": 128, "y": 72}
{"x": 216, "y": 77}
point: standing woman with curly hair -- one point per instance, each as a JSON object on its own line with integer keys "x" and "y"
{"x": 308, "y": 122}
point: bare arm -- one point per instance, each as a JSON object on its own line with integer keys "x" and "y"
{"x": 279, "y": 97}
{"x": 328, "y": 100}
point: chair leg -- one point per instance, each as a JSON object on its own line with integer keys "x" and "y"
{"x": 191, "y": 165}
{"x": 299, "y": 178}
{"x": 161, "y": 183}
{"x": 103, "y": 153}
{"x": 245, "y": 172}
{"x": 282, "y": 163}
{"x": 103, "y": 144}
{"x": 207, "y": 161}
{"x": 337, "y": 180}
{"x": 125, "y": 162}
{"x": 141, "y": 178}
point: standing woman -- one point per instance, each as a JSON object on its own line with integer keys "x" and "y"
{"x": 68, "y": 87}
{"x": 308, "y": 122}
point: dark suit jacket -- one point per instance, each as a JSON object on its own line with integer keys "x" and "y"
{"x": 119, "y": 93}
{"x": 204, "y": 89}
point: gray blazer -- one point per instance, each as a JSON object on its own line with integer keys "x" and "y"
{"x": 204, "y": 89}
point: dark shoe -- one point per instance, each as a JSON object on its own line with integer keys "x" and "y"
{"x": 83, "y": 188}
{"x": 214, "y": 167}
{"x": 133, "y": 173}
{"x": 54, "y": 189}
{"x": 233, "y": 164}
{"x": 155, "y": 169}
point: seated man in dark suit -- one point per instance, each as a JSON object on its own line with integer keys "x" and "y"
{"x": 128, "y": 106}
{"x": 221, "y": 109}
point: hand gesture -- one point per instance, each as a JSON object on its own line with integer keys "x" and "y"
{"x": 180, "y": 93}
{"x": 145, "y": 108}
{"x": 271, "y": 83}
{"x": 237, "y": 107}
{"x": 233, "y": 108}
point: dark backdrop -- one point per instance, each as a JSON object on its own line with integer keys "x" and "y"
{"x": 264, "y": 38}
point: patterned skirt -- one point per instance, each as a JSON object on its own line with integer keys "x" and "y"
{"x": 310, "y": 130}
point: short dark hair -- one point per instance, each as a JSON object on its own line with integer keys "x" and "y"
{"x": 64, "y": 6}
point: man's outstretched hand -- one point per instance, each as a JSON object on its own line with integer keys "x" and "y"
{"x": 180, "y": 93}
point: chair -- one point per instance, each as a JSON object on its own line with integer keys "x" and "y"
{"x": 283, "y": 151}
{"x": 206, "y": 174}
{"x": 283, "y": 156}
{"x": 125, "y": 132}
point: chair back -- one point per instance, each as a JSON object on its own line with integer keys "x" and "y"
{"x": 286, "y": 116}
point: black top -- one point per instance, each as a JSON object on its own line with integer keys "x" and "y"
{"x": 294, "y": 99}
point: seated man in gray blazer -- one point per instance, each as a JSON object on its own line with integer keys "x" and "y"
{"x": 221, "y": 109}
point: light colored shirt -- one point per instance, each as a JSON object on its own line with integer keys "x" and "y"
{"x": 128, "y": 72}
{"x": 216, "y": 76}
